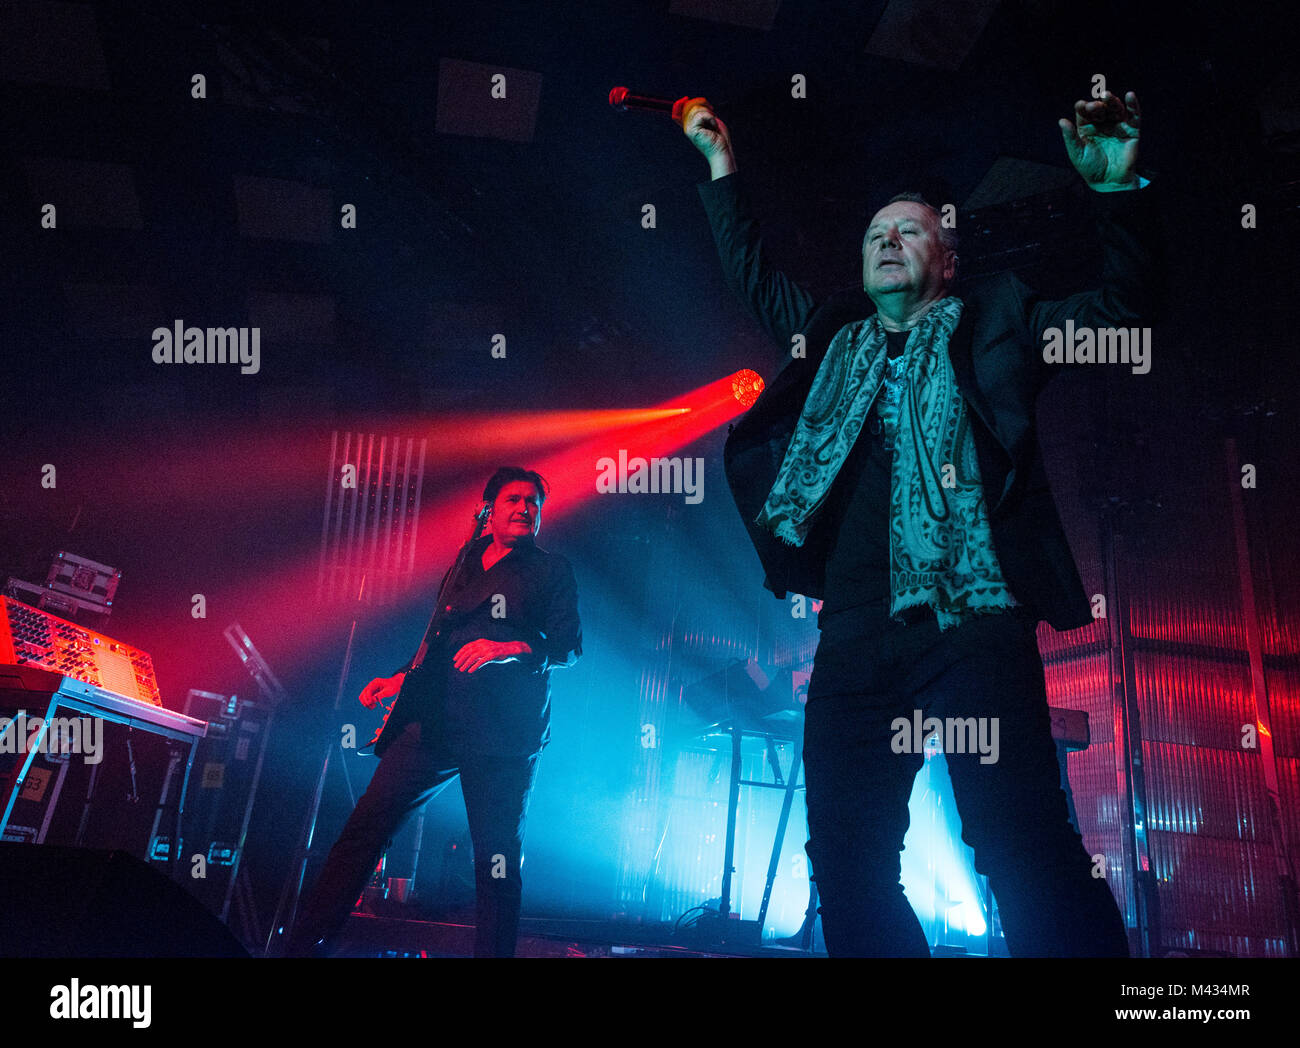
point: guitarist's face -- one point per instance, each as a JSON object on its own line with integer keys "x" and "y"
{"x": 516, "y": 513}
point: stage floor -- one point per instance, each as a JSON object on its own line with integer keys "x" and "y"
{"x": 366, "y": 935}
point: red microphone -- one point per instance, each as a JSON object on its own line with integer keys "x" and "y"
{"x": 622, "y": 99}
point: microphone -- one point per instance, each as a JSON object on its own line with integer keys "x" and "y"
{"x": 622, "y": 99}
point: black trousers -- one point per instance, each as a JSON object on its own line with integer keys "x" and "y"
{"x": 870, "y": 670}
{"x": 497, "y": 791}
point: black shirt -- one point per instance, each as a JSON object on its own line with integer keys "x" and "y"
{"x": 503, "y": 708}
{"x": 857, "y": 516}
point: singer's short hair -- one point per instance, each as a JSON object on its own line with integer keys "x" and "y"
{"x": 508, "y": 474}
{"x": 947, "y": 237}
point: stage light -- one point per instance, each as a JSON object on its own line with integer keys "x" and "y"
{"x": 280, "y": 476}
{"x": 746, "y": 385}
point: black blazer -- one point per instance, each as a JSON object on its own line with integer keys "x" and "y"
{"x": 996, "y": 354}
{"x": 503, "y": 708}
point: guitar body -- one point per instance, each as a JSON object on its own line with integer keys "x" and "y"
{"x": 424, "y": 689}
{"x": 419, "y": 701}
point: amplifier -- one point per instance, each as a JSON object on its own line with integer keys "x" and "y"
{"x": 32, "y": 637}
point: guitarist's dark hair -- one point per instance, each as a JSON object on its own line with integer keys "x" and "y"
{"x": 507, "y": 474}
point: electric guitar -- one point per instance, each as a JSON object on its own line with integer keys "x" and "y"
{"x": 423, "y": 674}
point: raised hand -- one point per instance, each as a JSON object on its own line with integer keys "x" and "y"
{"x": 1102, "y": 140}
{"x": 710, "y": 136}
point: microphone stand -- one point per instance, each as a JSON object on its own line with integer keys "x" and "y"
{"x": 479, "y": 519}
{"x": 292, "y": 892}
{"x": 286, "y": 910}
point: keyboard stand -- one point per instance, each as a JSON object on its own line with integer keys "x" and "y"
{"x": 24, "y": 686}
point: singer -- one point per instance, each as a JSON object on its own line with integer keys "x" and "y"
{"x": 894, "y": 471}
{"x": 473, "y": 701}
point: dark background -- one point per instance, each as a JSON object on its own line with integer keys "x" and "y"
{"x": 525, "y": 220}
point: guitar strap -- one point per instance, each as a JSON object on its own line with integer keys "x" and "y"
{"x": 438, "y": 605}
{"x": 447, "y": 582}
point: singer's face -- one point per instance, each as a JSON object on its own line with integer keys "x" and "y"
{"x": 516, "y": 513}
{"x": 902, "y": 253}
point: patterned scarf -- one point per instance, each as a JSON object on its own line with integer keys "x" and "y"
{"x": 940, "y": 546}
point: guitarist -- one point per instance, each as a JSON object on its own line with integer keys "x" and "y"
{"x": 474, "y": 701}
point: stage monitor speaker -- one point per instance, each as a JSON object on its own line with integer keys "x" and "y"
{"x": 83, "y": 902}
